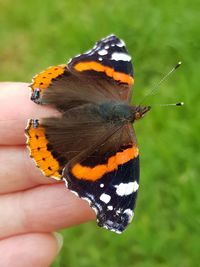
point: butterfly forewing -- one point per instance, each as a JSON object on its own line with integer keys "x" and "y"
{"x": 109, "y": 179}
{"x": 108, "y": 59}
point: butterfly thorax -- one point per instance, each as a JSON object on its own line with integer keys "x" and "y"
{"x": 121, "y": 112}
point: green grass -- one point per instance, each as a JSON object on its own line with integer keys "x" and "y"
{"x": 166, "y": 228}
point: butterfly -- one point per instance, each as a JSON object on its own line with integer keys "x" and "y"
{"x": 91, "y": 145}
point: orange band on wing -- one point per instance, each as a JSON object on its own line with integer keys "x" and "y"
{"x": 37, "y": 144}
{"x": 92, "y": 65}
{"x": 95, "y": 173}
{"x": 43, "y": 79}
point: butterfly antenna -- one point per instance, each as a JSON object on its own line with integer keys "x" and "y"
{"x": 156, "y": 87}
{"x": 179, "y": 104}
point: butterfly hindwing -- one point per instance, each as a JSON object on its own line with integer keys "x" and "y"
{"x": 55, "y": 141}
{"x": 40, "y": 151}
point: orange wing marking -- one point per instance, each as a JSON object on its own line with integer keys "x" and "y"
{"x": 95, "y": 173}
{"x": 92, "y": 65}
{"x": 43, "y": 80}
{"x": 37, "y": 145}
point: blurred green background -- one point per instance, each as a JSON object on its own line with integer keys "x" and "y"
{"x": 166, "y": 228}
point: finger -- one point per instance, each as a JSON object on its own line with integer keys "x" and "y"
{"x": 18, "y": 171}
{"x": 33, "y": 249}
{"x": 16, "y": 109}
{"x": 43, "y": 209}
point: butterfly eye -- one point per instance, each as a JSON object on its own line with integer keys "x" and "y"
{"x": 137, "y": 115}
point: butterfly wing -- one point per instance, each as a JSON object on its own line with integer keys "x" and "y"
{"x": 108, "y": 179}
{"x": 42, "y": 81}
{"x": 108, "y": 59}
{"x": 100, "y": 164}
{"x": 105, "y": 72}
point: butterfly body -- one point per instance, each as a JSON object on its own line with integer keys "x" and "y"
{"x": 92, "y": 144}
{"x": 119, "y": 112}
{"x": 116, "y": 112}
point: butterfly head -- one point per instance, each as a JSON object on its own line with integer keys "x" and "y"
{"x": 139, "y": 111}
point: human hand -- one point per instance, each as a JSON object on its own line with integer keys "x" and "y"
{"x": 31, "y": 205}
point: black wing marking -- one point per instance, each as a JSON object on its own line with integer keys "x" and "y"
{"x": 109, "y": 51}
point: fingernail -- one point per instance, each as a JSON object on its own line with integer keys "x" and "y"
{"x": 59, "y": 239}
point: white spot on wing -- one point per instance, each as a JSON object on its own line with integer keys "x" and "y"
{"x": 102, "y": 52}
{"x": 126, "y": 189}
{"x": 109, "y": 227}
{"x": 66, "y": 183}
{"x": 120, "y": 56}
{"x": 100, "y": 58}
{"x": 70, "y": 60}
{"x": 121, "y": 43}
{"x": 105, "y": 198}
{"x": 130, "y": 214}
{"x": 110, "y": 207}
{"x": 101, "y": 185}
{"x": 106, "y": 47}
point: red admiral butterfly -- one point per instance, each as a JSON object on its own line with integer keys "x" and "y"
{"x": 92, "y": 145}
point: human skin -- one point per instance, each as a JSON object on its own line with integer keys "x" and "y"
{"x": 32, "y": 206}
